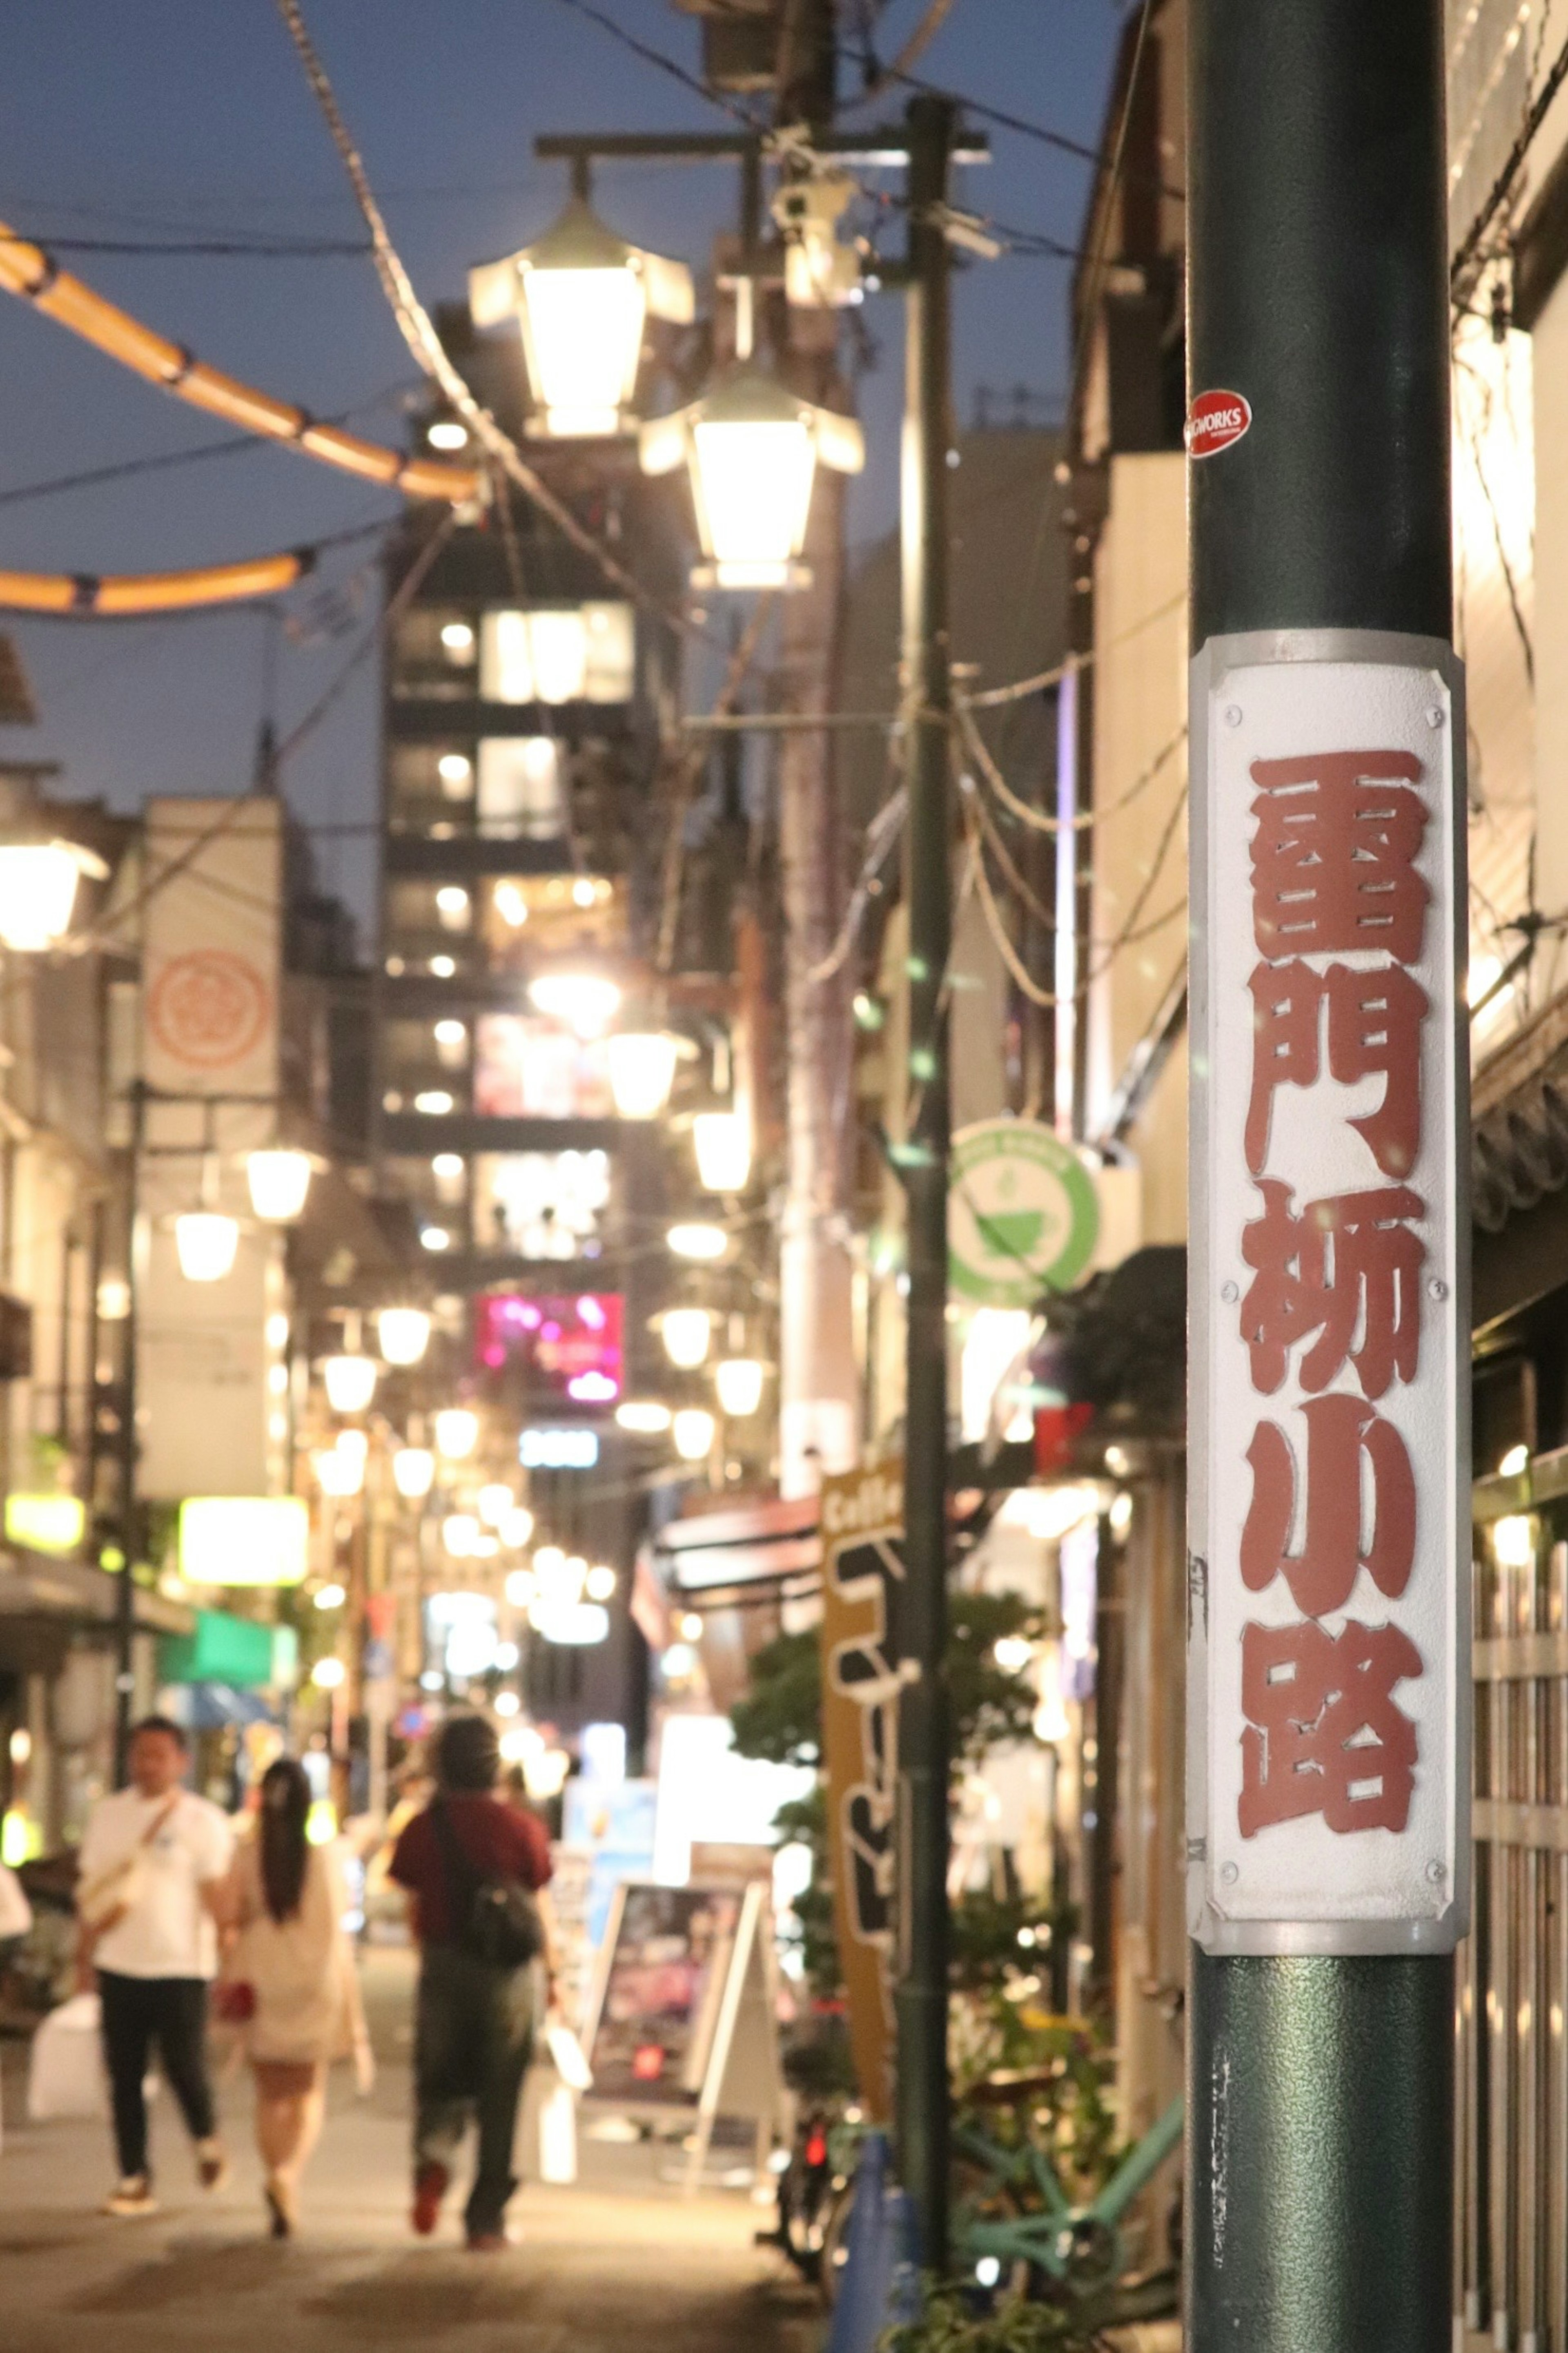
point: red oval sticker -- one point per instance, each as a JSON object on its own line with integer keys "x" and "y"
{"x": 1215, "y": 421}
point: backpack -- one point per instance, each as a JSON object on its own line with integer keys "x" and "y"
{"x": 497, "y": 1920}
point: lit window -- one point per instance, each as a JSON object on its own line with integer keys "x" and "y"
{"x": 519, "y": 790}
{"x": 557, "y": 653}
{"x": 456, "y": 771}
{"x": 443, "y": 967}
{"x": 452, "y": 907}
{"x": 510, "y": 905}
{"x": 457, "y": 640}
{"x": 435, "y": 1101}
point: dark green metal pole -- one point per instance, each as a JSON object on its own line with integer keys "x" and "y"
{"x": 1320, "y": 2098}
{"x": 923, "y": 1734}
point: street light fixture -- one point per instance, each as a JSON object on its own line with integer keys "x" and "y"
{"x": 723, "y": 1143}
{"x": 584, "y": 1002}
{"x": 697, "y": 1240}
{"x": 692, "y": 1432}
{"x": 413, "y": 1473}
{"x": 643, "y": 1417}
{"x": 340, "y": 1471}
{"x": 739, "y": 1381}
{"x": 278, "y": 1178}
{"x": 753, "y": 449}
{"x": 37, "y": 890}
{"x": 403, "y": 1334}
{"x": 206, "y": 1242}
{"x": 350, "y": 1381}
{"x": 582, "y": 295}
{"x": 457, "y": 1432}
{"x": 493, "y": 1503}
{"x": 686, "y": 1332}
{"x": 642, "y": 1071}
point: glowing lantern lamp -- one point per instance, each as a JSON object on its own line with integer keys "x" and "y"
{"x": 692, "y": 1432}
{"x": 349, "y": 1382}
{"x": 37, "y": 890}
{"x": 723, "y": 1143}
{"x": 753, "y": 449}
{"x": 403, "y": 1334}
{"x": 686, "y": 1332}
{"x": 584, "y": 1002}
{"x": 582, "y": 295}
{"x": 413, "y": 1473}
{"x": 457, "y": 1432}
{"x": 206, "y": 1242}
{"x": 278, "y": 1179}
{"x": 642, "y": 1071}
{"x": 739, "y": 1381}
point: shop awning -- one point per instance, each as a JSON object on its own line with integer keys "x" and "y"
{"x": 771, "y": 1539}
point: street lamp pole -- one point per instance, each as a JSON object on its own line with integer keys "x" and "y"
{"x": 924, "y": 1738}
{"x": 125, "y": 1592}
{"x": 1321, "y": 2029}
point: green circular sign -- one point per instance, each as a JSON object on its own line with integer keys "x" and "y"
{"x": 1023, "y": 1213}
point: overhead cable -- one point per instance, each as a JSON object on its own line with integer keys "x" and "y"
{"x": 29, "y": 272}
{"x": 418, "y": 332}
{"x": 1037, "y": 819}
{"x": 228, "y": 249}
{"x": 1470, "y": 260}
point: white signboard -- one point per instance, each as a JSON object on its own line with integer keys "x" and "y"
{"x": 1329, "y": 1652}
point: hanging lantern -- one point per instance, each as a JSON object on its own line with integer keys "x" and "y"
{"x": 278, "y": 1179}
{"x": 697, "y": 1240}
{"x": 582, "y": 295}
{"x": 643, "y": 1417}
{"x": 206, "y": 1242}
{"x": 739, "y": 1381}
{"x": 584, "y": 1002}
{"x": 692, "y": 1431}
{"x": 349, "y": 1382}
{"x": 724, "y": 1144}
{"x": 413, "y": 1473}
{"x": 341, "y": 1472}
{"x": 753, "y": 449}
{"x": 457, "y": 1432}
{"x": 642, "y": 1071}
{"x": 403, "y": 1334}
{"x": 37, "y": 890}
{"x": 686, "y": 1332}
{"x": 493, "y": 1503}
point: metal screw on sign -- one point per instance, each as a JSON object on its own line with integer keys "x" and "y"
{"x": 1436, "y": 1872}
{"x": 1229, "y": 1874}
{"x": 1230, "y": 1291}
{"x": 1233, "y": 714}
{"x": 1435, "y": 717}
{"x": 1438, "y": 1287}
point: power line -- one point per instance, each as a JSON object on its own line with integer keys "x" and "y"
{"x": 1016, "y": 123}
{"x": 315, "y": 249}
{"x": 662, "y": 62}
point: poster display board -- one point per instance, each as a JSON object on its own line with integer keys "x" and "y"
{"x": 862, "y": 1570}
{"x": 1329, "y": 1548}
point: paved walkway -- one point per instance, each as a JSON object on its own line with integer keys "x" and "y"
{"x": 621, "y": 2261}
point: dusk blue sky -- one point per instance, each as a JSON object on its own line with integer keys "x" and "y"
{"x": 192, "y": 117}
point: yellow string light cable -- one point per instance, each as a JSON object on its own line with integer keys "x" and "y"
{"x": 33, "y": 275}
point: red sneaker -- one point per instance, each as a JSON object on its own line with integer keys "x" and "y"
{"x": 429, "y": 2188}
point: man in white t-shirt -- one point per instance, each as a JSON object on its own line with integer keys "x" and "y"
{"x": 153, "y": 1865}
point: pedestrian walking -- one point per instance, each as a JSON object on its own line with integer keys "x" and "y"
{"x": 154, "y": 1867}
{"x": 473, "y": 1868}
{"x": 290, "y": 1981}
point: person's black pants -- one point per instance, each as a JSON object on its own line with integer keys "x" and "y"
{"x": 173, "y": 2013}
{"x": 473, "y": 2034}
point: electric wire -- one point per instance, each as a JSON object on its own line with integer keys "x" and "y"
{"x": 1469, "y": 259}
{"x": 1037, "y": 819}
{"x": 662, "y": 62}
{"x": 315, "y": 249}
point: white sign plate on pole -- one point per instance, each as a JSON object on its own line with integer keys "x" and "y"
{"x": 1329, "y": 1648}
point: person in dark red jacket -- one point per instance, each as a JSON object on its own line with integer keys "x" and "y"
{"x": 474, "y": 2027}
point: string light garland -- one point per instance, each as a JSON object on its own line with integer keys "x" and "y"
{"x": 33, "y": 275}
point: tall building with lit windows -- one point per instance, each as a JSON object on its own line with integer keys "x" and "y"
{"x": 522, "y": 744}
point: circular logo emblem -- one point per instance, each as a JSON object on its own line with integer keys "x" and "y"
{"x": 208, "y": 1008}
{"x": 1215, "y": 421}
{"x": 1023, "y": 1217}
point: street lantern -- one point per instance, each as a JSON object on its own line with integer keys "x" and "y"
{"x": 643, "y": 1417}
{"x": 686, "y": 1332}
{"x": 206, "y": 1242}
{"x": 739, "y": 1381}
{"x": 413, "y": 1473}
{"x": 37, "y": 890}
{"x": 692, "y": 1431}
{"x": 403, "y": 1334}
{"x": 724, "y": 1144}
{"x": 582, "y": 295}
{"x": 457, "y": 1432}
{"x": 350, "y": 1380}
{"x": 753, "y": 448}
{"x": 460, "y": 1534}
{"x": 493, "y": 1503}
{"x": 695, "y": 1240}
{"x": 642, "y": 1071}
{"x": 340, "y": 1470}
{"x": 278, "y": 1178}
{"x": 584, "y": 1002}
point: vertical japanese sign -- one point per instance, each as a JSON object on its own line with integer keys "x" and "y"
{"x": 1328, "y": 1652}
{"x": 211, "y": 978}
{"x": 862, "y": 1569}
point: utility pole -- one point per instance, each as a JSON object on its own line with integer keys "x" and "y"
{"x": 1327, "y": 1816}
{"x": 128, "y": 1449}
{"x": 924, "y": 1736}
{"x": 819, "y": 1388}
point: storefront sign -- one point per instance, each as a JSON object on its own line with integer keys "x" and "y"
{"x": 862, "y": 1565}
{"x": 1330, "y": 1400}
{"x": 1023, "y": 1217}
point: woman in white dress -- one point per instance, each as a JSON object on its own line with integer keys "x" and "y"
{"x": 291, "y": 1980}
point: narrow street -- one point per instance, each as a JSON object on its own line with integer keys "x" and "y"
{"x": 623, "y": 2255}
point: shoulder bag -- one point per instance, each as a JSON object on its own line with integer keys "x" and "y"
{"x": 496, "y": 1920}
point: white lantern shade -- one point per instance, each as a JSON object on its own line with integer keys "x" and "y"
{"x": 457, "y": 1432}
{"x": 414, "y": 1472}
{"x": 206, "y": 1242}
{"x": 517, "y": 1527}
{"x": 460, "y": 1534}
{"x": 697, "y": 1242}
{"x": 739, "y": 1381}
{"x": 37, "y": 890}
{"x": 723, "y": 1143}
{"x": 349, "y": 1382}
{"x": 643, "y": 1417}
{"x": 584, "y": 1002}
{"x": 686, "y": 1332}
{"x": 642, "y": 1071}
{"x": 341, "y": 1472}
{"x": 493, "y": 1503}
{"x": 753, "y": 477}
{"x": 278, "y": 1179}
{"x": 403, "y": 1334}
{"x": 692, "y": 1431}
{"x": 599, "y": 1584}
